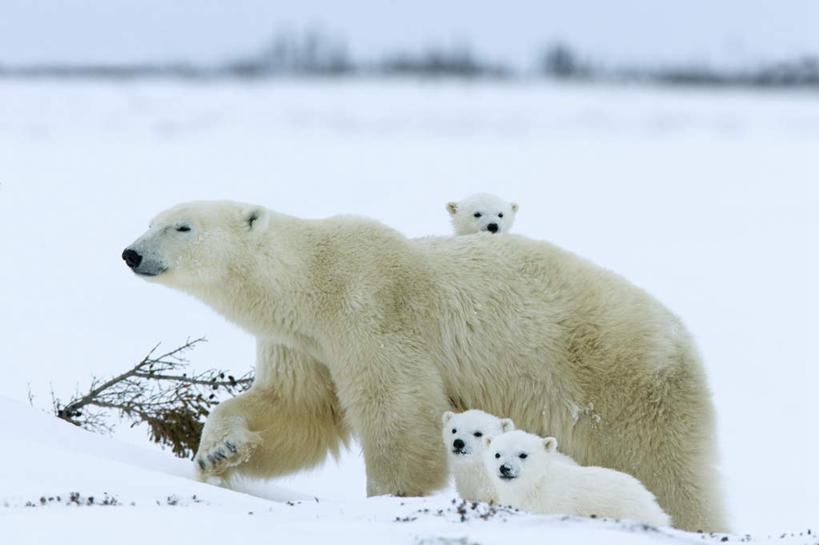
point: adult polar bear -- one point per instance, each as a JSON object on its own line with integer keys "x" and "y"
{"x": 361, "y": 330}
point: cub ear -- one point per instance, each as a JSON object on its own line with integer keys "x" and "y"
{"x": 446, "y": 417}
{"x": 486, "y": 440}
{"x": 507, "y": 424}
{"x": 452, "y": 207}
{"x": 550, "y": 443}
{"x": 514, "y": 207}
{"x": 254, "y": 218}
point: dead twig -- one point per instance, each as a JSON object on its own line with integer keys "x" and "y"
{"x": 158, "y": 393}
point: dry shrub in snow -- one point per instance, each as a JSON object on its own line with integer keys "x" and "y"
{"x": 159, "y": 392}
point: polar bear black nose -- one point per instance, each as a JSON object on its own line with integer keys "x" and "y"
{"x": 505, "y": 469}
{"x": 132, "y": 258}
{"x": 458, "y": 443}
{"x": 492, "y": 227}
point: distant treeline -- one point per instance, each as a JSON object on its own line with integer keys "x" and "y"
{"x": 314, "y": 53}
{"x": 560, "y": 61}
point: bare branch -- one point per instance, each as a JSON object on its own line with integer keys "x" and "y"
{"x": 158, "y": 393}
{"x": 245, "y": 380}
{"x": 147, "y": 360}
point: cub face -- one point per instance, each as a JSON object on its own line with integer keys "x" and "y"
{"x": 463, "y": 433}
{"x": 513, "y": 455}
{"x": 482, "y": 212}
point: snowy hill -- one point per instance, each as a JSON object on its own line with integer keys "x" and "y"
{"x": 63, "y": 485}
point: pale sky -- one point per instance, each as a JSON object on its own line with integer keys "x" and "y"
{"x": 719, "y": 32}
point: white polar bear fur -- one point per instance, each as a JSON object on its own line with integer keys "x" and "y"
{"x": 466, "y": 463}
{"x": 362, "y": 331}
{"x": 482, "y": 212}
{"x": 544, "y": 483}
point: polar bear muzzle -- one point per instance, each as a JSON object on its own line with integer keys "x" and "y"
{"x": 506, "y": 472}
{"x": 140, "y": 265}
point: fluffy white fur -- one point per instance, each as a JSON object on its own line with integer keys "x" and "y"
{"x": 463, "y": 435}
{"x": 361, "y": 330}
{"x": 529, "y": 474}
{"x": 482, "y": 212}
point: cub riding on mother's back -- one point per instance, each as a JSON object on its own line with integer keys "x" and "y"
{"x": 361, "y": 330}
{"x": 482, "y": 212}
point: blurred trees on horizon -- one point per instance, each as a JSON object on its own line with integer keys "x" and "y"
{"x": 313, "y": 52}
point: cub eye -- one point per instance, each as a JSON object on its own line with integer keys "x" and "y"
{"x": 454, "y": 430}
{"x": 497, "y": 455}
{"x": 477, "y": 214}
{"x": 522, "y": 455}
{"x": 500, "y": 214}
{"x": 477, "y": 434}
{"x": 183, "y": 228}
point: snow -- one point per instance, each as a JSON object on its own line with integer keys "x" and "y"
{"x": 707, "y": 200}
{"x": 61, "y": 482}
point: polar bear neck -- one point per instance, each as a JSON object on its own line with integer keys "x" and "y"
{"x": 257, "y": 291}
{"x": 302, "y": 278}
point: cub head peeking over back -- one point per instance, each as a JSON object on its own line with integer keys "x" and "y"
{"x": 482, "y": 212}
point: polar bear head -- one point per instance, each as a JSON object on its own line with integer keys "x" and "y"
{"x": 463, "y": 433}
{"x": 517, "y": 454}
{"x": 196, "y": 245}
{"x": 482, "y": 212}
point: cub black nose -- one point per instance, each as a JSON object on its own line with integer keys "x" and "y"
{"x": 458, "y": 443}
{"x": 505, "y": 469}
{"x": 132, "y": 258}
{"x": 492, "y": 227}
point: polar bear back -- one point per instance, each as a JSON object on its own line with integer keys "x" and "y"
{"x": 587, "y": 318}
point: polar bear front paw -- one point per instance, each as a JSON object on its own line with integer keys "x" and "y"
{"x": 216, "y": 456}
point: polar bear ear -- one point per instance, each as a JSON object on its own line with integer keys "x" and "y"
{"x": 447, "y": 416}
{"x": 452, "y": 207}
{"x": 507, "y": 424}
{"x": 487, "y": 440}
{"x": 515, "y": 207}
{"x": 550, "y": 444}
{"x": 254, "y": 218}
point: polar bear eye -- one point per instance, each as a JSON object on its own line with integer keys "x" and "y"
{"x": 500, "y": 214}
{"x": 477, "y": 214}
{"x": 477, "y": 434}
{"x": 522, "y": 455}
{"x": 454, "y": 430}
{"x": 497, "y": 455}
{"x": 183, "y": 228}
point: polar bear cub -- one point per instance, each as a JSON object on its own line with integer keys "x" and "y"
{"x": 529, "y": 475}
{"x": 482, "y": 212}
{"x": 463, "y": 435}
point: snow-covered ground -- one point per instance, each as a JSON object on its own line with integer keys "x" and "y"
{"x": 65, "y": 485}
{"x": 707, "y": 200}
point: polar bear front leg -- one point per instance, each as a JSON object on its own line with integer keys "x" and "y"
{"x": 290, "y": 419}
{"x": 226, "y": 439}
{"x": 405, "y": 462}
{"x": 397, "y": 418}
